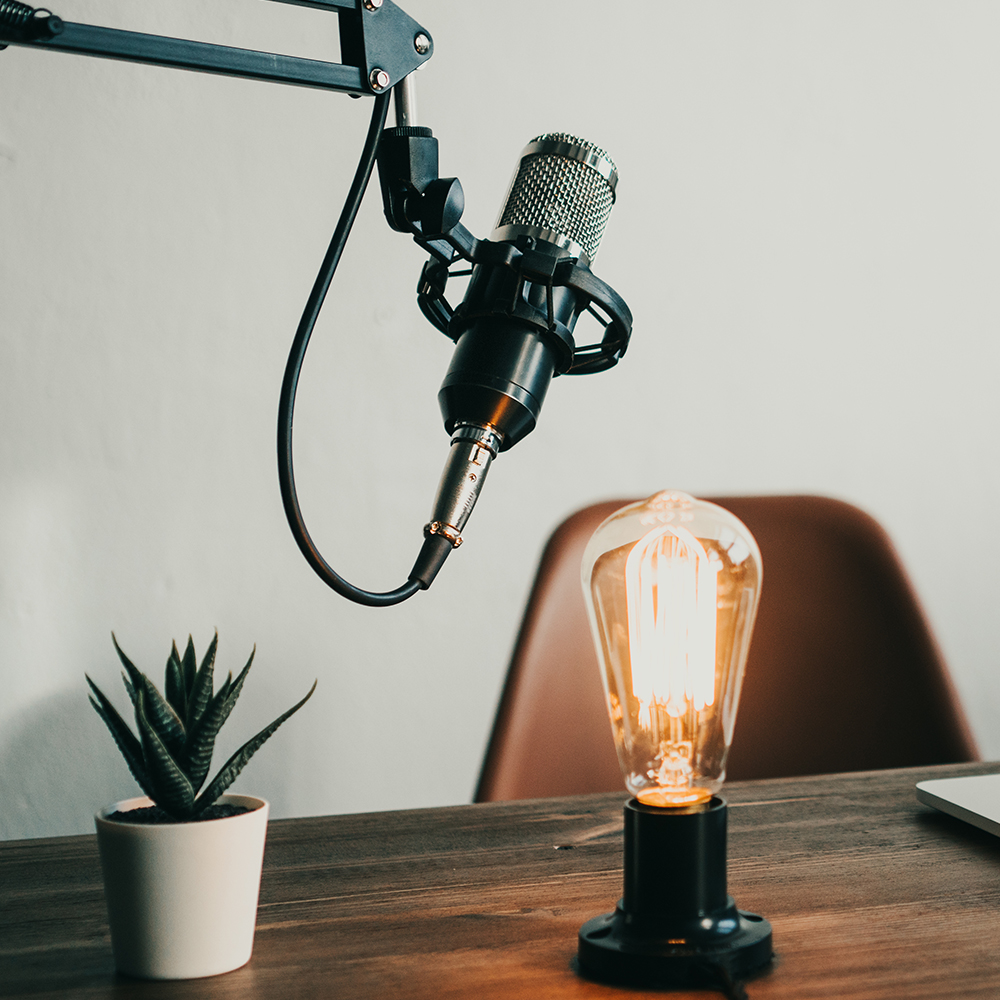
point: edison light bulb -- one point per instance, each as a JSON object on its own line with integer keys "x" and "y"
{"x": 672, "y": 585}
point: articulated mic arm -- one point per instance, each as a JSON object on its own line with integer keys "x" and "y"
{"x": 379, "y": 45}
{"x": 513, "y": 329}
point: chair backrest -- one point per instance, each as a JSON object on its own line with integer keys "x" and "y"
{"x": 843, "y": 672}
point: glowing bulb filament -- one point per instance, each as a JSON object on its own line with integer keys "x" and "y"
{"x": 671, "y": 587}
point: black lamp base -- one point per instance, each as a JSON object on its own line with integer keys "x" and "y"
{"x": 612, "y": 951}
{"x": 675, "y": 925}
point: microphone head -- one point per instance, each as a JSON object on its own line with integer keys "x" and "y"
{"x": 562, "y": 192}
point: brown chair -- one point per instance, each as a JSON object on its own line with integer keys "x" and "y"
{"x": 843, "y": 672}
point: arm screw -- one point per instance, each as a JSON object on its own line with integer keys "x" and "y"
{"x": 378, "y": 78}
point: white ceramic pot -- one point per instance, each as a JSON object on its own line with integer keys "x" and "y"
{"x": 182, "y": 897}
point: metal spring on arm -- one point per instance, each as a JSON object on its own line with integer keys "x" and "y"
{"x": 15, "y": 14}
{"x": 21, "y": 22}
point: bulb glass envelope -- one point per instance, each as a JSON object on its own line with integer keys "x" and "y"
{"x": 672, "y": 586}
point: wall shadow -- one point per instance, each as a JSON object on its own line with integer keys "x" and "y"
{"x": 58, "y": 766}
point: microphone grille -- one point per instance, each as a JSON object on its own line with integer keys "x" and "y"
{"x": 562, "y": 191}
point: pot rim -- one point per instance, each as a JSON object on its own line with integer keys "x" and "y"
{"x": 253, "y": 802}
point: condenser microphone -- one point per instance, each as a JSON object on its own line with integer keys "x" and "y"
{"x": 530, "y": 282}
{"x": 514, "y": 328}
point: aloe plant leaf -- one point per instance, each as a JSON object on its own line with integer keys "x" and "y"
{"x": 164, "y": 717}
{"x": 241, "y": 677}
{"x": 231, "y": 769}
{"x": 120, "y": 727}
{"x": 190, "y": 665}
{"x": 200, "y": 690}
{"x": 171, "y": 789}
{"x": 218, "y": 709}
{"x": 134, "y": 674}
{"x": 124, "y": 738}
{"x": 160, "y": 712}
{"x": 200, "y": 744}
{"x": 231, "y": 688}
{"x": 130, "y": 687}
{"x": 176, "y": 691}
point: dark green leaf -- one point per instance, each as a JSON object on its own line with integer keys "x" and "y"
{"x": 229, "y": 772}
{"x": 233, "y": 688}
{"x": 159, "y": 712}
{"x": 200, "y": 745}
{"x": 200, "y": 693}
{"x": 163, "y": 718}
{"x": 134, "y": 674}
{"x": 125, "y": 739}
{"x": 129, "y": 687}
{"x": 171, "y": 789}
{"x": 176, "y": 692}
{"x": 190, "y": 665}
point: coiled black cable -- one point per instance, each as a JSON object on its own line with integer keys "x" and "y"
{"x": 286, "y": 405}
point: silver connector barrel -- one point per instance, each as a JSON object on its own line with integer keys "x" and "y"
{"x": 473, "y": 448}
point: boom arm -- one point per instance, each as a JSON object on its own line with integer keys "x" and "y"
{"x": 379, "y": 45}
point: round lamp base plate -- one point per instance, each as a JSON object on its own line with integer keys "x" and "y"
{"x": 613, "y": 952}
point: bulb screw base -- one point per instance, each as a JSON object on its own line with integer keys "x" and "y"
{"x": 675, "y": 925}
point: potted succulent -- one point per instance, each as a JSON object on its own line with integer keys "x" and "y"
{"x": 181, "y": 865}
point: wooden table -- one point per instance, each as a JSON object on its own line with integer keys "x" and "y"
{"x": 870, "y": 895}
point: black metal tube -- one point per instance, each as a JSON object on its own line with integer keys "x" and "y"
{"x": 204, "y": 57}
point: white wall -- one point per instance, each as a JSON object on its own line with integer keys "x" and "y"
{"x": 806, "y": 231}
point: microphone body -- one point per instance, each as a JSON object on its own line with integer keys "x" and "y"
{"x": 514, "y": 327}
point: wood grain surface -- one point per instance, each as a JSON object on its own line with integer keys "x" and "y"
{"x": 870, "y": 894}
